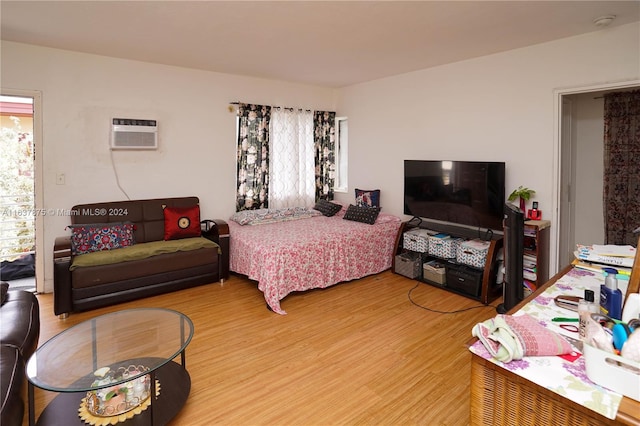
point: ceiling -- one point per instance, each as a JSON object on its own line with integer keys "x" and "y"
{"x": 324, "y": 43}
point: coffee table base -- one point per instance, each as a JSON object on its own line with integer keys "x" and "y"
{"x": 176, "y": 385}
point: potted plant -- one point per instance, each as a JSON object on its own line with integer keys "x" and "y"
{"x": 523, "y": 193}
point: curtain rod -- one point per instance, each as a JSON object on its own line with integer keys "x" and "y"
{"x": 278, "y": 107}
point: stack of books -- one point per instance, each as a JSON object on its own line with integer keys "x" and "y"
{"x": 596, "y": 257}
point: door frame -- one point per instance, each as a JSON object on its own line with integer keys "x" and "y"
{"x": 38, "y": 188}
{"x": 558, "y": 95}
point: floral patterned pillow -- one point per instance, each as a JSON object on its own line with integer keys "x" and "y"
{"x": 368, "y": 197}
{"x": 93, "y": 237}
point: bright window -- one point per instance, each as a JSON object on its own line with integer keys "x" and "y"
{"x": 342, "y": 151}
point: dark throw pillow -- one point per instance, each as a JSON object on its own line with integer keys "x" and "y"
{"x": 362, "y": 214}
{"x": 181, "y": 222}
{"x": 327, "y": 208}
{"x": 368, "y": 197}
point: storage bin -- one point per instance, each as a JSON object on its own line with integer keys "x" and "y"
{"x": 443, "y": 245}
{"x": 408, "y": 264}
{"x": 416, "y": 240}
{"x": 464, "y": 279}
{"x": 473, "y": 253}
{"x": 435, "y": 272}
{"x": 614, "y": 372}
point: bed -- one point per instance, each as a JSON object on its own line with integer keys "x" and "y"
{"x": 310, "y": 252}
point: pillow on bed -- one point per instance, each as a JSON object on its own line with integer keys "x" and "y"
{"x": 368, "y": 197}
{"x": 181, "y": 222}
{"x": 88, "y": 238}
{"x": 362, "y": 214}
{"x": 327, "y": 208}
{"x": 263, "y": 216}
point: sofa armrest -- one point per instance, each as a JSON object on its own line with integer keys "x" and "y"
{"x": 217, "y": 230}
{"x": 62, "y": 302}
{"x": 62, "y": 247}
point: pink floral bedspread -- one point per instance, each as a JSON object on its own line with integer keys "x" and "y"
{"x": 310, "y": 253}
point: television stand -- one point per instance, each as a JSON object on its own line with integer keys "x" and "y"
{"x": 488, "y": 290}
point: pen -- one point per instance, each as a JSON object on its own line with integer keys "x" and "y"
{"x": 559, "y": 319}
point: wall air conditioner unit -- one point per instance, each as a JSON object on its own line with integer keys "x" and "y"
{"x": 128, "y": 133}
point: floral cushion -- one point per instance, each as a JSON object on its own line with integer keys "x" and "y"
{"x": 327, "y": 208}
{"x": 181, "y": 222}
{"x": 362, "y": 214}
{"x": 89, "y": 238}
{"x": 368, "y": 197}
{"x": 262, "y": 216}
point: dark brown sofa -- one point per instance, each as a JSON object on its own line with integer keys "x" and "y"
{"x": 90, "y": 287}
{"x": 19, "y": 333}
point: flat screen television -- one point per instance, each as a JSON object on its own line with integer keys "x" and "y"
{"x": 468, "y": 193}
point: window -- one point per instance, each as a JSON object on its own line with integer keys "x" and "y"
{"x": 287, "y": 157}
{"x": 341, "y": 155}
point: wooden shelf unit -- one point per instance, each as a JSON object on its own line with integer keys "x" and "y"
{"x": 489, "y": 290}
{"x": 536, "y": 247}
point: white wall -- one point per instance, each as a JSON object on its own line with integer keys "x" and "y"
{"x": 498, "y": 108}
{"x": 196, "y": 155}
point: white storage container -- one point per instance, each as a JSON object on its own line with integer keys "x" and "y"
{"x": 473, "y": 253}
{"x": 416, "y": 240}
{"x": 614, "y": 372}
{"x": 444, "y": 246}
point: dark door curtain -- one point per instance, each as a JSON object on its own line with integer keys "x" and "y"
{"x": 621, "y": 178}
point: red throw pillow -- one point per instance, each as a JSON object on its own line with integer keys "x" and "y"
{"x": 181, "y": 222}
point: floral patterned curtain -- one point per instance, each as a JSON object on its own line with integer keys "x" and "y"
{"x": 253, "y": 157}
{"x": 324, "y": 124}
{"x": 621, "y": 167}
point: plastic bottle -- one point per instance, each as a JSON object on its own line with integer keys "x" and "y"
{"x": 586, "y": 307}
{"x": 610, "y": 295}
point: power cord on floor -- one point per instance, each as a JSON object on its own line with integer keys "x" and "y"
{"x": 444, "y": 312}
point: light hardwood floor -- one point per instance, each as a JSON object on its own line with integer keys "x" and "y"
{"x": 353, "y": 354}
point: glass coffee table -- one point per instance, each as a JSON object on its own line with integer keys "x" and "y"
{"x": 110, "y": 366}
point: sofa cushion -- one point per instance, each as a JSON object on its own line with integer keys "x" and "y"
{"x": 11, "y": 382}
{"x": 89, "y": 238}
{"x": 140, "y": 252}
{"x": 148, "y": 215}
{"x": 181, "y": 222}
{"x": 154, "y": 265}
{"x": 20, "y": 319}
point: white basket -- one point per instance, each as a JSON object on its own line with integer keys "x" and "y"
{"x": 443, "y": 246}
{"x": 614, "y": 372}
{"x": 416, "y": 240}
{"x": 473, "y": 253}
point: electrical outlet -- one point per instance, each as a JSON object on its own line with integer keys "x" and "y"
{"x": 60, "y": 179}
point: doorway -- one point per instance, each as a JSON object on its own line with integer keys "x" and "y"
{"x": 21, "y": 238}
{"x": 578, "y": 207}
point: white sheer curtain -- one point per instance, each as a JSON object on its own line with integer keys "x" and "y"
{"x": 291, "y": 159}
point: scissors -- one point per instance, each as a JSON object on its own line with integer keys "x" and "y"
{"x": 569, "y": 327}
